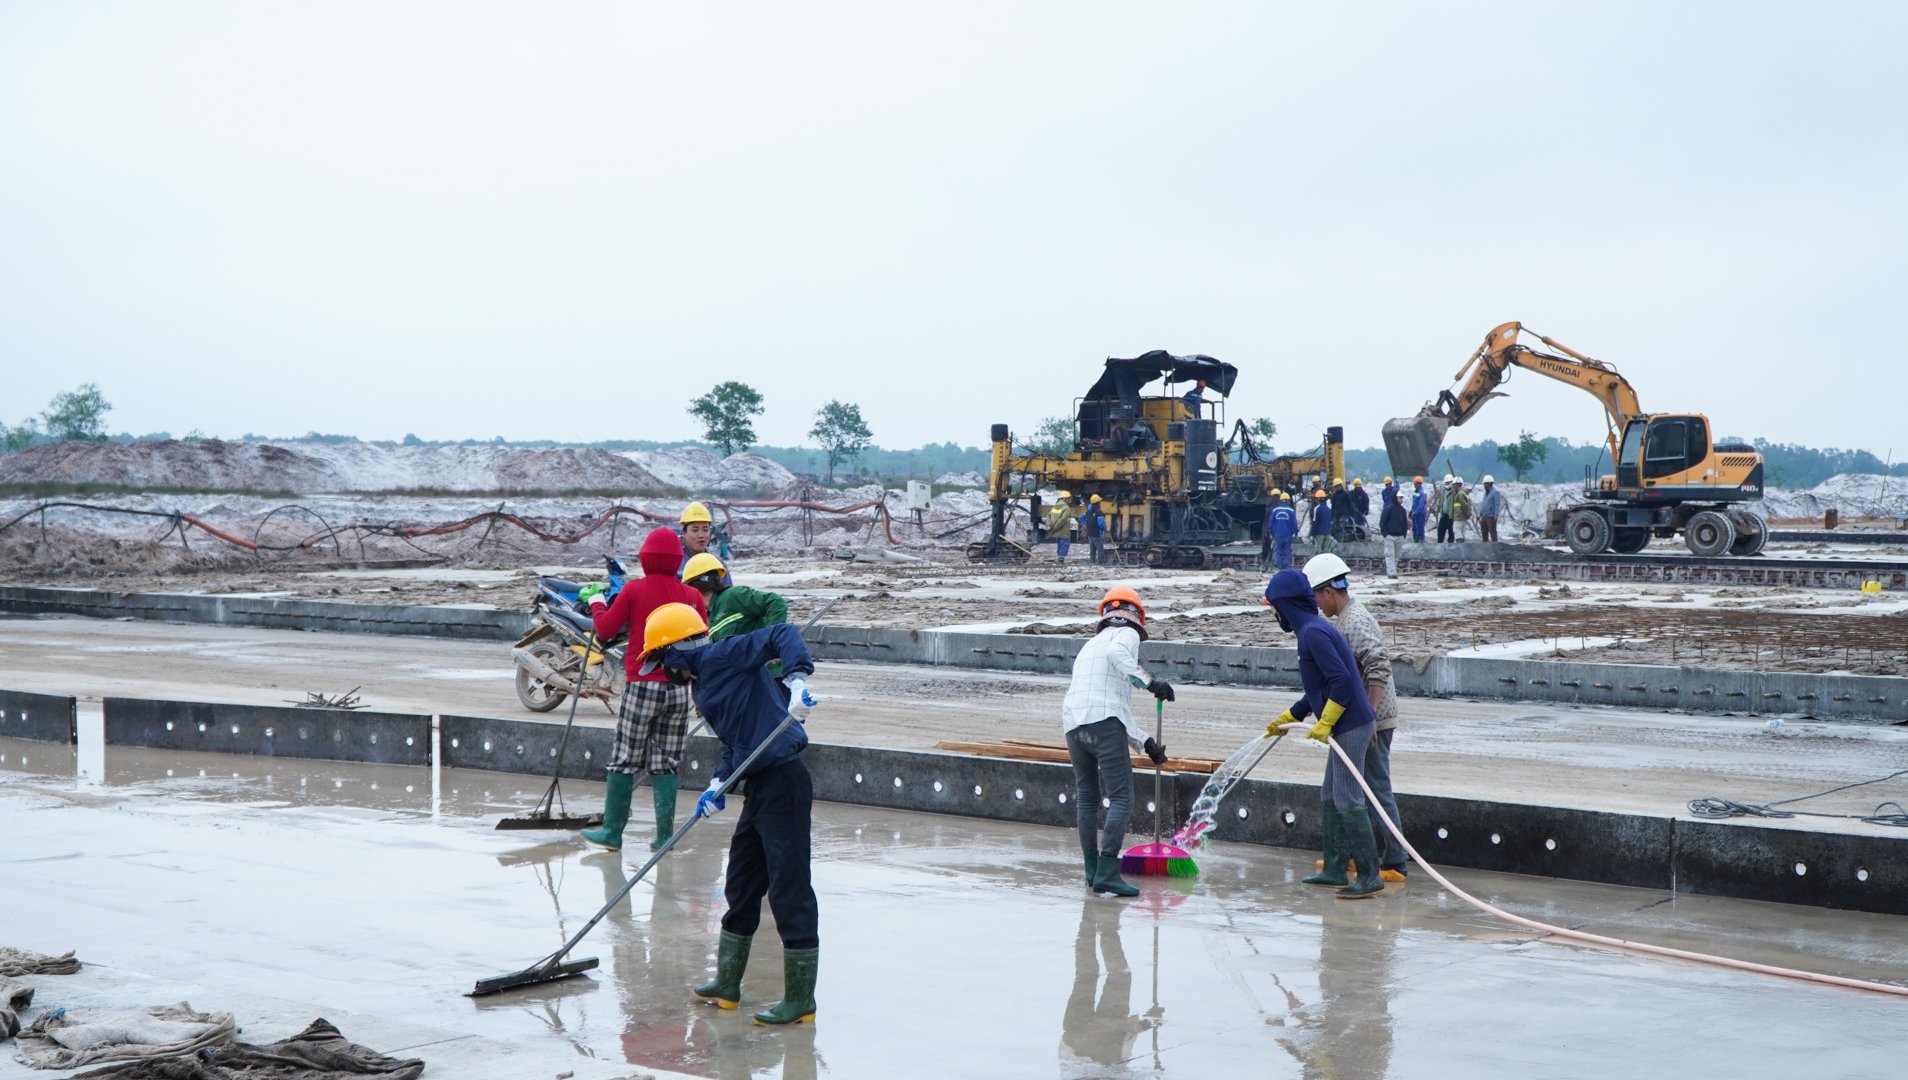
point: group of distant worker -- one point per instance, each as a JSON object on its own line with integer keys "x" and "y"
{"x": 1344, "y": 514}
{"x": 1070, "y": 519}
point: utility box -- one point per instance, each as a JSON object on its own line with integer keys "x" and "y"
{"x": 919, "y": 492}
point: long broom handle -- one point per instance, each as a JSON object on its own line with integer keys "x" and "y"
{"x": 1159, "y": 739}
{"x": 720, "y": 791}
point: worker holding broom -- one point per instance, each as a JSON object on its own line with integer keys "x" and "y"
{"x": 1097, "y": 717}
{"x": 1335, "y": 694}
{"x": 769, "y": 853}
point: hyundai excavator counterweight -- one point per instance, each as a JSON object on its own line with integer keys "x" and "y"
{"x": 1670, "y": 479}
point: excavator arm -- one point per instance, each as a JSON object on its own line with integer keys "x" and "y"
{"x": 1412, "y": 442}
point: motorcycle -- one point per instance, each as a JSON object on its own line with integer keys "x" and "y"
{"x": 560, "y": 655}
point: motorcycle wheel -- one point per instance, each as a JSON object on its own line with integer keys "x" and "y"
{"x": 535, "y": 694}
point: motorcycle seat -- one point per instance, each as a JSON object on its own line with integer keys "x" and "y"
{"x": 583, "y": 623}
{"x": 560, "y": 585}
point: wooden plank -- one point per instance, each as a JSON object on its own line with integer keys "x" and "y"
{"x": 1036, "y": 752}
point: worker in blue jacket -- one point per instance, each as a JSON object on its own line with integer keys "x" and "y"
{"x": 1334, "y": 693}
{"x": 1420, "y": 508}
{"x": 1281, "y": 524}
{"x": 1321, "y": 522}
{"x": 769, "y": 853}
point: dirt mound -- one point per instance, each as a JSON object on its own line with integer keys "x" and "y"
{"x": 203, "y": 463}
{"x": 693, "y": 469}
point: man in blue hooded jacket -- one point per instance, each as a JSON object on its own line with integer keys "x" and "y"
{"x": 1335, "y": 694}
{"x": 769, "y": 854}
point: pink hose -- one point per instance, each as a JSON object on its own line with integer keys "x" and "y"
{"x": 1598, "y": 939}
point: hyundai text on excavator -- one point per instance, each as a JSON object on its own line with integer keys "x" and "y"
{"x": 1670, "y": 478}
{"x": 1170, "y": 489}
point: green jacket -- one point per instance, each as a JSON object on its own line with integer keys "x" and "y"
{"x": 739, "y": 609}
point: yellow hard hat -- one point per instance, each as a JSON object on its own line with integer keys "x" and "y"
{"x": 1360, "y": 482}
{"x": 1066, "y": 494}
{"x": 701, "y": 564}
{"x": 1338, "y": 481}
{"x": 695, "y": 513}
{"x": 1284, "y": 497}
{"x": 670, "y": 624}
{"x": 1387, "y": 479}
{"x": 1095, "y": 498}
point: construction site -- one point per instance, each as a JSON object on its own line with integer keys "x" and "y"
{"x": 1635, "y": 773}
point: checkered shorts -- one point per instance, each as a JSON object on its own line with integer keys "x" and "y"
{"x": 651, "y": 727}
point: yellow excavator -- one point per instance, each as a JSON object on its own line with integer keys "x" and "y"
{"x": 1170, "y": 488}
{"x": 1670, "y": 477}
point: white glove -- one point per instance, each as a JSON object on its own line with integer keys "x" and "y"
{"x": 800, "y": 703}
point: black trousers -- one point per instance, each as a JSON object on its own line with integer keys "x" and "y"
{"x": 768, "y": 856}
{"x": 1446, "y": 533}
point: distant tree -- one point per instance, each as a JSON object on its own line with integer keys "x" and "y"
{"x": 1262, "y": 430}
{"x": 195, "y": 435}
{"x": 78, "y": 414}
{"x": 728, "y": 413}
{"x": 1527, "y": 454}
{"x": 1053, "y": 437}
{"x": 841, "y": 432}
{"x": 21, "y": 437}
{"x": 411, "y": 439}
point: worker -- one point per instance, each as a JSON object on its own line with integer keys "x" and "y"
{"x": 1097, "y": 718}
{"x": 769, "y": 851}
{"x": 1343, "y": 513}
{"x": 1489, "y": 506}
{"x": 1420, "y": 508}
{"x": 1361, "y": 508}
{"x": 1447, "y": 529}
{"x": 699, "y": 533}
{"x": 1460, "y": 507}
{"x": 1195, "y": 399}
{"x": 1391, "y": 527}
{"x": 1389, "y": 493}
{"x": 1282, "y": 525}
{"x": 652, "y": 722}
{"x": 1096, "y": 532}
{"x": 733, "y": 609}
{"x": 1060, "y": 525}
{"x": 1334, "y": 693}
{"x": 1331, "y": 587}
{"x": 1321, "y": 522}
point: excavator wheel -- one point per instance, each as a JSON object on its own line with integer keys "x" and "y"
{"x": 1629, "y": 541}
{"x": 1176, "y": 557}
{"x": 1587, "y": 532}
{"x": 1751, "y": 533}
{"x": 1709, "y": 534}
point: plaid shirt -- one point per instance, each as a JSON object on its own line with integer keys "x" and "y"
{"x": 1367, "y": 641}
{"x": 1101, "y": 686}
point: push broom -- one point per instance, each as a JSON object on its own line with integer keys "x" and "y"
{"x": 554, "y": 967}
{"x": 1158, "y": 859}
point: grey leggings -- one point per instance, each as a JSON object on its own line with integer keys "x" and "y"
{"x": 1339, "y": 788}
{"x": 1102, "y": 767}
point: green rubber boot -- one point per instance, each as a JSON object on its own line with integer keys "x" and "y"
{"x": 665, "y": 801}
{"x": 1364, "y": 848}
{"x": 1107, "y": 879}
{"x": 1333, "y": 874}
{"x": 732, "y": 958}
{"x": 798, "y": 989}
{"x": 619, "y": 788}
{"x": 1092, "y": 863}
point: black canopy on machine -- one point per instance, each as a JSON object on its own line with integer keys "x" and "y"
{"x": 1122, "y": 379}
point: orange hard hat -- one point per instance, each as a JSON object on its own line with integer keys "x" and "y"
{"x": 670, "y": 624}
{"x": 1417, "y": 479}
{"x": 1120, "y": 594}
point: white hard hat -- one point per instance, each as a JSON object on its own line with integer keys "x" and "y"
{"x": 1448, "y": 478}
{"x": 1323, "y": 570}
{"x": 1489, "y": 479}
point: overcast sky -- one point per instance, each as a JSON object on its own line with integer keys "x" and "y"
{"x": 564, "y": 221}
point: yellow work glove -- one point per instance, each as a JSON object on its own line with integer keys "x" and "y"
{"x": 1277, "y": 727}
{"x": 1322, "y": 731}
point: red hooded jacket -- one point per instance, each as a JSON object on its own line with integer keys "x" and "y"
{"x": 661, "y": 558}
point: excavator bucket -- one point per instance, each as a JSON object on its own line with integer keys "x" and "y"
{"x": 1412, "y": 442}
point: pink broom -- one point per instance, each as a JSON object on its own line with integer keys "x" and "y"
{"x": 1158, "y": 859}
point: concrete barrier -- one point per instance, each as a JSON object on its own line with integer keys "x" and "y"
{"x": 38, "y": 717}
{"x": 275, "y": 613}
{"x": 269, "y": 731}
{"x": 1850, "y": 872}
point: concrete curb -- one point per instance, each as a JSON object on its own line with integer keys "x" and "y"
{"x": 270, "y": 612}
{"x": 1859, "y": 698}
{"x": 1864, "y": 698}
{"x": 270, "y": 731}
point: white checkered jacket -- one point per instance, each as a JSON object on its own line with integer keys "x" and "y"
{"x": 1367, "y": 641}
{"x": 1102, "y": 686}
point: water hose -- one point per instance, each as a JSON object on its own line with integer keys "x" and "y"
{"x": 1598, "y": 939}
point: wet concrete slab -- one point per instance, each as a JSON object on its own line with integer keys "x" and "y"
{"x": 376, "y": 895}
